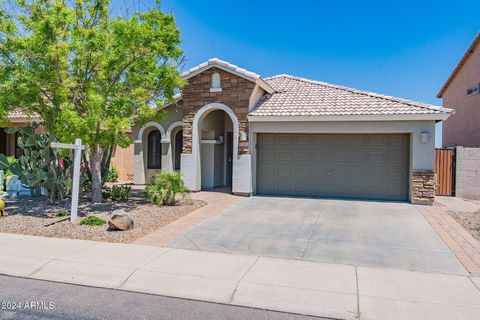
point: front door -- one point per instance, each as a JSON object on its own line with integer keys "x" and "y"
{"x": 229, "y": 143}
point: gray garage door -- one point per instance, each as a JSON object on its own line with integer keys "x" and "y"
{"x": 338, "y": 165}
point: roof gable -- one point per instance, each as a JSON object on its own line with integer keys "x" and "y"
{"x": 224, "y": 65}
{"x": 228, "y": 67}
{"x": 460, "y": 64}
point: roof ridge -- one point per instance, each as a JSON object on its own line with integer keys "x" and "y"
{"x": 367, "y": 93}
{"x": 221, "y": 64}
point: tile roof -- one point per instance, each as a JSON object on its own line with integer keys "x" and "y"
{"x": 19, "y": 114}
{"x": 215, "y": 62}
{"x": 296, "y": 96}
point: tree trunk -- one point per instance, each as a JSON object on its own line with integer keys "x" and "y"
{"x": 96, "y": 166}
{"x": 106, "y": 161}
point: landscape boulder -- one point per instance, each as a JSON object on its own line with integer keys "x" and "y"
{"x": 120, "y": 220}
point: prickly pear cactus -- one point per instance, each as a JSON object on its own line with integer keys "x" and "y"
{"x": 41, "y": 165}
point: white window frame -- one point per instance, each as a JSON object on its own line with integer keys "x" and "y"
{"x": 474, "y": 90}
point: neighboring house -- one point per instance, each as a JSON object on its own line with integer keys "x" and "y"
{"x": 122, "y": 158}
{"x": 461, "y": 92}
{"x": 286, "y": 135}
{"x": 8, "y": 142}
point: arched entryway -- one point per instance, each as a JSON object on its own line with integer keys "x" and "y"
{"x": 214, "y": 147}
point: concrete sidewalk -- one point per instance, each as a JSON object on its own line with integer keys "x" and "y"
{"x": 328, "y": 290}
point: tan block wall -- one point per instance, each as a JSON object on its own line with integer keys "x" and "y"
{"x": 235, "y": 94}
{"x": 423, "y": 186}
{"x": 122, "y": 158}
{"x": 463, "y": 128}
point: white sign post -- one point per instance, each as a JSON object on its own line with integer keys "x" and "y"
{"x": 77, "y": 147}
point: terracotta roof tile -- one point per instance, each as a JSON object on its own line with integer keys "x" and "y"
{"x": 296, "y": 96}
{"x": 19, "y": 114}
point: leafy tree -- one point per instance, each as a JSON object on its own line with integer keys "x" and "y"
{"x": 87, "y": 73}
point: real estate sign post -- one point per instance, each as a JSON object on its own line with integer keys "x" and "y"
{"x": 77, "y": 147}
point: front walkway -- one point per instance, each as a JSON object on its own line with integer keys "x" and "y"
{"x": 216, "y": 202}
{"x": 312, "y": 288}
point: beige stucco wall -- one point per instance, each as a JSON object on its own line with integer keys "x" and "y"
{"x": 142, "y": 175}
{"x": 463, "y": 128}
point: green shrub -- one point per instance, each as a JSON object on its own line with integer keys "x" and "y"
{"x": 119, "y": 192}
{"x": 163, "y": 188}
{"x": 62, "y": 213}
{"x": 92, "y": 221}
{"x": 113, "y": 174}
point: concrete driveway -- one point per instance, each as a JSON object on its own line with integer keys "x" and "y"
{"x": 364, "y": 233}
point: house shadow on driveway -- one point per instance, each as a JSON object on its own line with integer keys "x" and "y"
{"x": 355, "y": 232}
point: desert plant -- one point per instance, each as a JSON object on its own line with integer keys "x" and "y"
{"x": 9, "y": 165}
{"x": 88, "y": 71}
{"x": 164, "y": 187}
{"x": 63, "y": 213}
{"x": 113, "y": 174}
{"x": 40, "y": 165}
{"x": 92, "y": 221}
{"x": 119, "y": 192}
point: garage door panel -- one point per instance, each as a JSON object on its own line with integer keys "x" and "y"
{"x": 378, "y": 157}
{"x": 364, "y": 166}
{"x": 302, "y": 139}
{"x": 284, "y": 139}
{"x": 400, "y": 140}
{"x": 377, "y": 140}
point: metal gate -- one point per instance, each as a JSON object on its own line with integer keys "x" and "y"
{"x": 444, "y": 172}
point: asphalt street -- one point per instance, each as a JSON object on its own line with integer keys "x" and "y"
{"x": 22, "y": 298}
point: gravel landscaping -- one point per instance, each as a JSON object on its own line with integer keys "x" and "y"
{"x": 465, "y": 211}
{"x": 469, "y": 220}
{"x": 35, "y": 216}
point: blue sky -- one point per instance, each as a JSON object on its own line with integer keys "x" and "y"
{"x": 401, "y": 48}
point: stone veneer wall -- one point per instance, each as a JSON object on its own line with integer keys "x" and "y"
{"x": 235, "y": 94}
{"x": 423, "y": 184}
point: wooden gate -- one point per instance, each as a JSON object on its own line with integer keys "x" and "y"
{"x": 444, "y": 172}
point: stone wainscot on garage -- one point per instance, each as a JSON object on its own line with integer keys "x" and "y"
{"x": 285, "y": 135}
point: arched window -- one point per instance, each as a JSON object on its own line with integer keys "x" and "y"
{"x": 216, "y": 83}
{"x": 178, "y": 149}
{"x": 154, "y": 151}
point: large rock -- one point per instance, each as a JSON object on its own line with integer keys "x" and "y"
{"x": 120, "y": 220}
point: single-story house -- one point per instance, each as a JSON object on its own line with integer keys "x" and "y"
{"x": 286, "y": 135}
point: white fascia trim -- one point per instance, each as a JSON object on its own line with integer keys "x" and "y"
{"x": 395, "y": 117}
{"x": 264, "y": 85}
{"x": 176, "y": 99}
{"x": 188, "y": 75}
{"x": 24, "y": 120}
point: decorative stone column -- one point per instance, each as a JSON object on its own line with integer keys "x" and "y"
{"x": 423, "y": 184}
